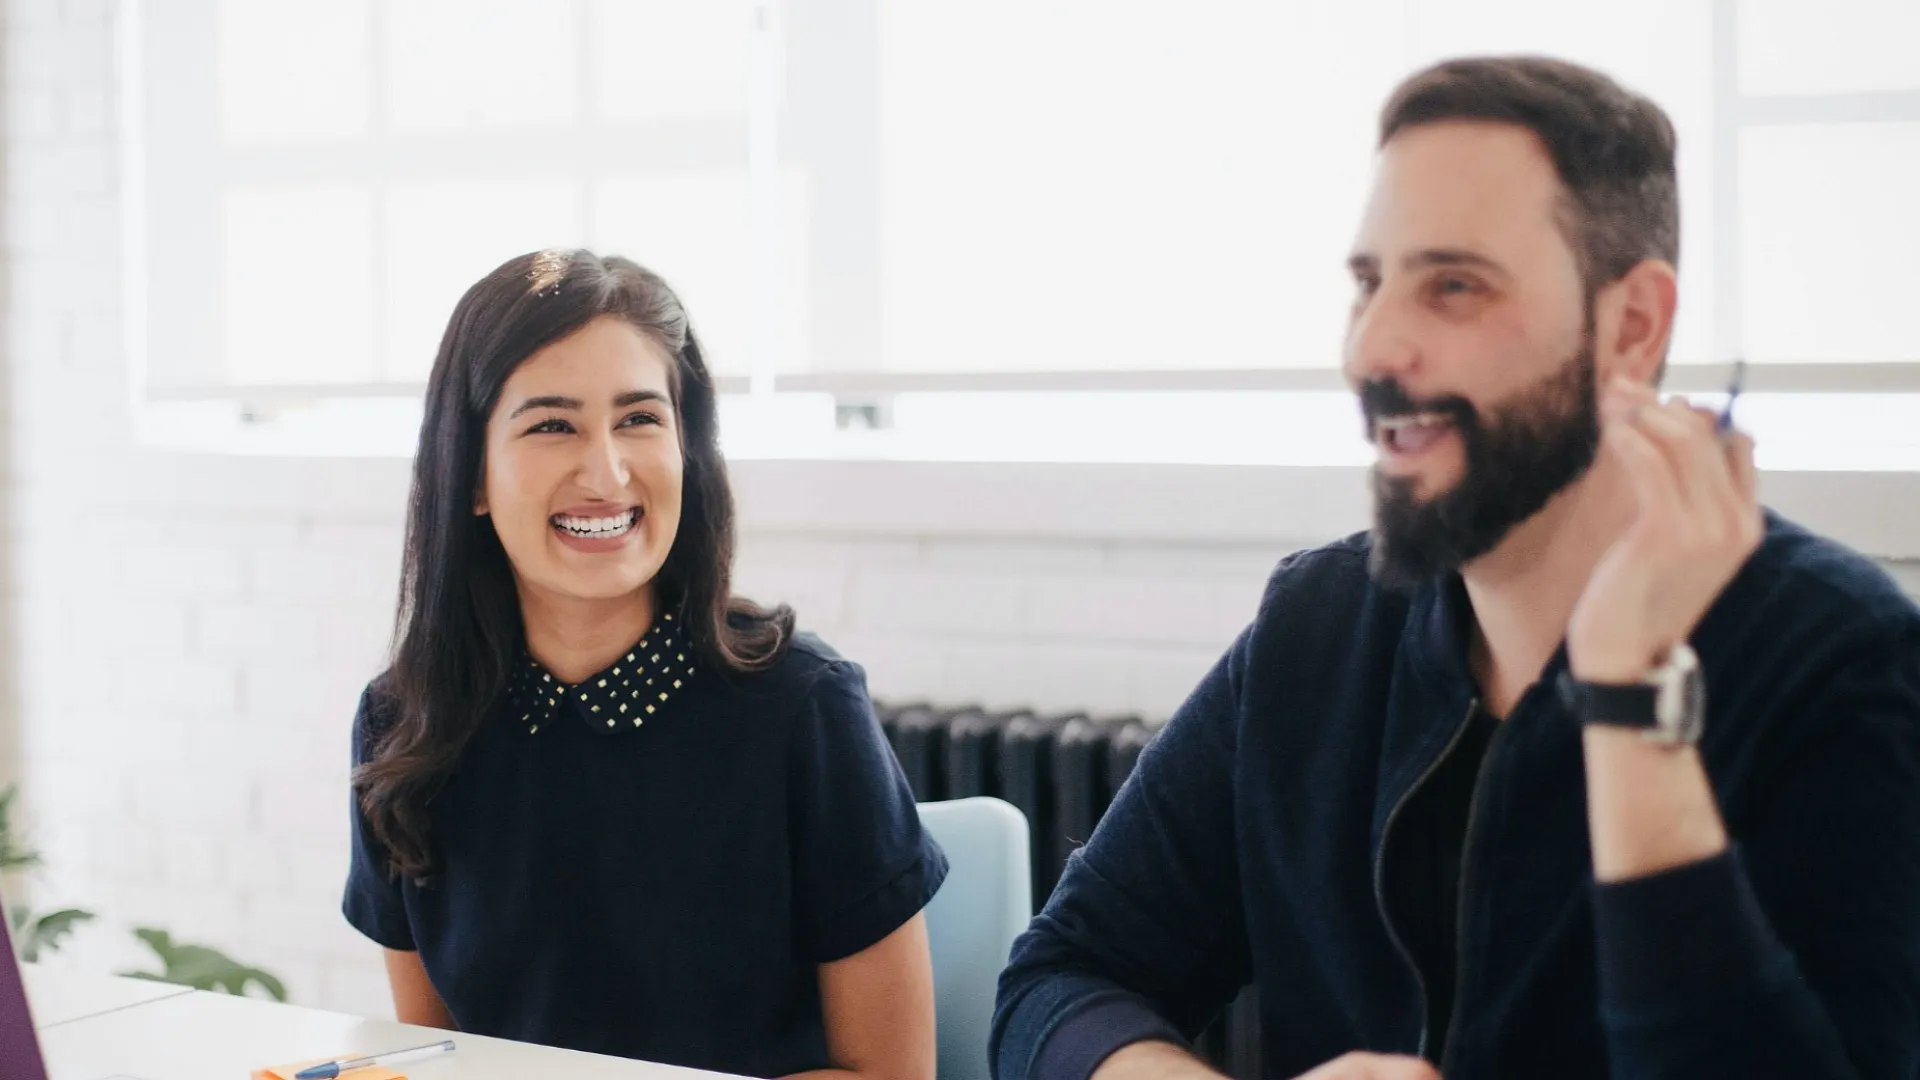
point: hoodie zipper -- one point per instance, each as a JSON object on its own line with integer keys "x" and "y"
{"x": 1380, "y": 866}
{"x": 1460, "y": 899}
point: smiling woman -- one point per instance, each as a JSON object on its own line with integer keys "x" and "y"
{"x": 601, "y": 802}
{"x": 520, "y": 411}
{"x": 583, "y": 483}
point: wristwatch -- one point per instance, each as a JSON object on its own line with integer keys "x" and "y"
{"x": 1668, "y": 705}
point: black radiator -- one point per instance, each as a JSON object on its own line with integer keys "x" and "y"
{"x": 1061, "y": 770}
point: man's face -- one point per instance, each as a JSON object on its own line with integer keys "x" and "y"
{"x": 1470, "y": 344}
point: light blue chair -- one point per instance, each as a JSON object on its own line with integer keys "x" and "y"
{"x": 985, "y": 903}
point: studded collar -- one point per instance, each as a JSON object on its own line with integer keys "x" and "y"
{"x": 621, "y": 697}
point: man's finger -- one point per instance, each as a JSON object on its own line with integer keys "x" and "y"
{"x": 1621, "y": 396}
{"x": 1693, "y": 450}
{"x": 1648, "y": 470}
{"x": 1746, "y": 476}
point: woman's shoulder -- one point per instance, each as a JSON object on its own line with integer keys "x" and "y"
{"x": 377, "y": 711}
{"x": 808, "y": 673}
{"x": 378, "y": 697}
{"x": 807, "y": 688}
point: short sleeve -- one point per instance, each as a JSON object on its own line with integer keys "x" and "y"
{"x": 373, "y": 904}
{"x": 863, "y": 866}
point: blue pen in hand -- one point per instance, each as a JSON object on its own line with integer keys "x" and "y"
{"x": 331, "y": 1069}
{"x": 1733, "y": 394}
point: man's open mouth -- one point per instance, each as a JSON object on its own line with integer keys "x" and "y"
{"x": 1412, "y": 433}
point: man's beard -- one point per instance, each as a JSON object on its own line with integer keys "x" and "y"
{"x": 1527, "y": 450}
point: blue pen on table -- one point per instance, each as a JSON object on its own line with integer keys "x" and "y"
{"x": 331, "y": 1069}
{"x": 1733, "y": 394}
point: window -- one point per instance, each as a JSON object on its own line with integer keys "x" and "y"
{"x": 323, "y": 180}
{"x": 876, "y": 207}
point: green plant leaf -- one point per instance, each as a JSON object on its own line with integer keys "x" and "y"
{"x": 236, "y": 983}
{"x": 14, "y": 854}
{"x": 203, "y": 968}
{"x": 46, "y": 933}
{"x": 183, "y": 964}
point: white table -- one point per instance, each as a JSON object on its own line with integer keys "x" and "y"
{"x": 61, "y": 997}
{"x": 203, "y": 1036}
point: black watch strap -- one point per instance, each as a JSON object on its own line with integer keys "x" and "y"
{"x": 1630, "y": 706}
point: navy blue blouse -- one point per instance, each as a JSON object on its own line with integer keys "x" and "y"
{"x": 654, "y": 862}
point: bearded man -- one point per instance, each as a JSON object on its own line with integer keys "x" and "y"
{"x": 1580, "y": 763}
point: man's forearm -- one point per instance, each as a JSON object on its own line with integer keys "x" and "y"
{"x": 1649, "y": 808}
{"x": 1154, "y": 1060}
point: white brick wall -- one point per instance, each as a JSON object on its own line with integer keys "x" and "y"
{"x": 188, "y": 634}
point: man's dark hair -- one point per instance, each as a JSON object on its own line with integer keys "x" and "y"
{"x": 1612, "y": 148}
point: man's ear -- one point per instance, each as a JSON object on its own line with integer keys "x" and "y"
{"x": 1633, "y": 322}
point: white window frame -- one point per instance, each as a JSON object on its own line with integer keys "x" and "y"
{"x": 379, "y": 161}
{"x": 861, "y": 387}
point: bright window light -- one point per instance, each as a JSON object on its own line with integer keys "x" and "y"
{"x": 1794, "y": 432}
{"x": 975, "y": 198}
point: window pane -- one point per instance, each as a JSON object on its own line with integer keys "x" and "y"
{"x": 442, "y": 238}
{"x": 1828, "y": 231}
{"x": 298, "y": 298}
{"x": 1215, "y": 428}
{"x": 1836, "y": 46}
{"x": 671, "y": 58}
{"x": 1833, "y": 431}
{"x": 1144, "y": 186}
{"x": 479, "y": 63}
{"x": 1137, "y": 186}
{"x": 693, "y": 230}
{"x": 293, "y": 68}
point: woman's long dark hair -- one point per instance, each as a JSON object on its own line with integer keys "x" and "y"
{"x": 458, "y": 628}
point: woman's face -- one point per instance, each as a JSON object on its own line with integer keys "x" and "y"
{"x": 583, "y": 467}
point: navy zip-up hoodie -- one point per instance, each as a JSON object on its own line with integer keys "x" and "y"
{"x": 1256, "y": 842}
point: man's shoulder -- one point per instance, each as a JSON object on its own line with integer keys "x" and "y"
{"x": 1339, "y": 564}
{"x": 1332, "y": 571}
{"x": 1798, "y": 578}
{"x": 1328, "y": 593}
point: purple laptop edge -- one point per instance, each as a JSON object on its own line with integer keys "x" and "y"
{"x": 19, "y": 1047}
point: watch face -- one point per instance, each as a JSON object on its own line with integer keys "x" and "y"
{"x": 1681, "y": 700}
{"x": 1694, "y": 721}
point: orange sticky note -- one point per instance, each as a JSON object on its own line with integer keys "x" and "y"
{"x": 286, "y": 1072}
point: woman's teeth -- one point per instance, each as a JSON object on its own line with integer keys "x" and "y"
{"x": 597, "y": 527}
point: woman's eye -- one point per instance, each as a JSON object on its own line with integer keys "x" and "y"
{"x": 636, "y": 419}
{"x": 1453, "y": 286}
{"x": 555, "y": 426}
